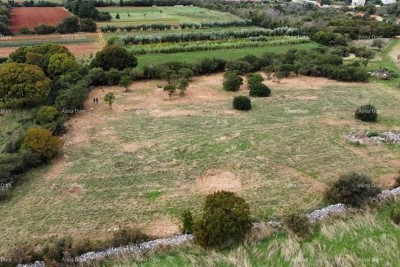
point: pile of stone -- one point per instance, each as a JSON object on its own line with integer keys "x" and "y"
{"x": 326, "y": 212}
{"x": 383, "y": 138}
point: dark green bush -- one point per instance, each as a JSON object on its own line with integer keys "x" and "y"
{"x": 366, "y": 113}
{"x": 395, "y": 213}
{"x": 232, "y": 81}
{"x": 241, "y": 103}
{"x": 259, "y": 90}
{"x": 187, "y": 222}
{"x": 352, "y": 189}
{"x": 225, "y": 221}
{"x": 254, "y": 78}
{"x": 298, "y": 224}
{"x": 10, "y": 164}
{"x": 128, "y": 236}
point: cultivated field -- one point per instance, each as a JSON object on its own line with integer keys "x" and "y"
{"x": 150, "y": 157}
{"x": 80, "y": 44}
{"x": 30, "y": 17}
{"x": 170, "y": 15}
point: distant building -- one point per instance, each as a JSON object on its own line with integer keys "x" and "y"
{"x": 358, "y": 2}
{"x": 387, "y": 2}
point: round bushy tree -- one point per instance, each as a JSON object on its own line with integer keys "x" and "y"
{"x": 241, "y": 103}
{"x": 367, "y": 113}
{"x": 352, "y": 189}
{"x": 225, "y": 221}
{"x": 114, "y": 57}
{"x": 259, "y": 90}
{"x": 41, "y": 141}
{"x": 232, "y": 81}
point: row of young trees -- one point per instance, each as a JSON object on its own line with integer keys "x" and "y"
{"x": 166, "y": 27}
{"x": 148, "y": 3}
{"x": 200, "y": 36}
{"x": 219, "y": 44}
{"x": 4, "y": 17}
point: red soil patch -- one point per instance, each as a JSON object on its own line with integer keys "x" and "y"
{"x": 30, "y": 17}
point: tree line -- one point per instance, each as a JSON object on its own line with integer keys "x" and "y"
{"x": 199, "y": 36}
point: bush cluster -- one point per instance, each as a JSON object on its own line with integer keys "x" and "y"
{"x": 242, "y": 103}
{"x": 352, "y": 189}
{"x": 225, "y": 221}
{"x": 257, "y": 88}
{"x": 298, "y": 224}
{"x": 366, "y": 113}
{"x": 68, "y": 25}
{"x": 232, "y": 81}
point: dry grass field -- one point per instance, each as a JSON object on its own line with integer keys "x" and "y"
{"x": 151, "y": 156}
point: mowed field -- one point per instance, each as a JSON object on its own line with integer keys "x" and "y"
{"x": 150, "y": 157}
{"x": 168, "y": 15}
{"x": 30, "y": 17}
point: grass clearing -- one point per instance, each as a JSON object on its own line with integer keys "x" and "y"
{"x": 227, "y": 54}
{"x": 281, "y": 153}
{"x": 171, "y": 15}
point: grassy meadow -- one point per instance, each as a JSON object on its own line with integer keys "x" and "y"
{"x": 140, "y": 163}
{"x": 169, "y": 15}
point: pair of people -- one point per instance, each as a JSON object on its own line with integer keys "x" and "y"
{"x": 96, "y": 101}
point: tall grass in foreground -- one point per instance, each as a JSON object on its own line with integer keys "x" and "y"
{"x": 368, "y": 239}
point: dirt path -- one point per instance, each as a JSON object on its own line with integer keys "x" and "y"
{"x": 103, "y": 43}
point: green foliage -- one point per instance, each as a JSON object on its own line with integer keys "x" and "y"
{"x": 352, "y": 189}
{"x": 24, "y": 83}
{"x": 125, "y": 81}
{"x": 41, "y": 141}
{"x": 46, "y": 114}
{"x": 61, "y": 63}
{"x": 112, "y": 77}
{"x": 298, "y": 224}
{"x": 114, "y": 57}
{"x": 241, "y": 67}
{"x": 232, "y": 81}
{"x": 69, "y": 25}
{"x": 329, "y": 38}
{"x": 242, "y": 103}
{"x": 225, "y": 221}
{"x": 109, "y": 98}
{"x": 395, "y": 213}
{"x": 88, "y": 25}
{"x": 187, "y": 222}
{"x": 378, "y": 43}
{"x": 170, "y": 89}
{"x": 259, "y": 90}
{"x": 366, "y": 113}
{"x": 182, "y": 85}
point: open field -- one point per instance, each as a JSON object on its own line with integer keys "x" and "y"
{"x": 369, "y": 240}
{"x": 79, "y": 44}
{"x": 168, "y": 15}
{"x": 227, "y": 54}
{"x": 150, "y": 157}
{"x": 30, "y": 17}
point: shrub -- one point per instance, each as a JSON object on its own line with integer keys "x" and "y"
{"x": 46, "y": 114}
{"x": 10, "y": 164}
{"x": 298, "y": 224}
{"x": 242, "y": 67}
{"x": 254, "y": 78}
{"x": 352, "y": 189}
{"x": 395, "y": 213}
{"x": 259, "y": 90}
{"x": 41, "y": 141}
{"x": 366, "y": 113}
{"x": 232, "y": 81}
{"x": 241, "y": 103}
{"x": 170, "y": 89}
{"x": 225, "y": 221}
{"x": 397, "y": 181}
{"x": 187, "y": 222}
{"x": 128, "y": 236}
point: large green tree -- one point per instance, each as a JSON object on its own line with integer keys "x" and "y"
{"x": 61, "y": 63}
{"x": 24, "y": 83}
{"x": 114, "y": 57}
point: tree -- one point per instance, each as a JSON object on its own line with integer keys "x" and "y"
{"x": 366, "y": 113}
{"x": 125, "y": 81}
{"x": 232, "y": 81}
{"x": 170, "y": 89}
{"x": 88, "y": 25}
{"x": 279, "y": 76}
{"x": 225, "y": 221}
{"x": 268, "y": 70}
{"x": 182, "y": 85}
{"x": 378, "y": 43}
{"x": 61, "y": 64}
{"x": 110, "y": 99}
{"x": 114, "y": 57}
{"x": 117, "y": 16}
{"x": 23, "y": 82}
{"x": 69, "y": 25}
{"x": 41, "y": 141}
